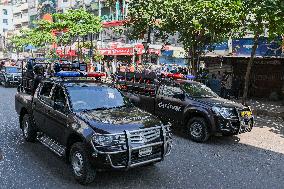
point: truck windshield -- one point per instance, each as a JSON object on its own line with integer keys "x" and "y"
{"x": 198, "y": 90}
{"x": 12, "y": 70}
{"x": 84, "y": 98}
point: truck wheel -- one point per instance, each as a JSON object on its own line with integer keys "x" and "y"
{"x": 197, "y": 129}
{"x": 82, "y": 169}
{"x": 29, "y": 132}
{"x": 5, "y": 84}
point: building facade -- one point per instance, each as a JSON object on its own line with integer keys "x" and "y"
{"x": 6, "y": 25}
{"x": 20, "y": 15}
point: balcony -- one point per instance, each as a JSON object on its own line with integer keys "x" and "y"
{"x": 20, "y": 7}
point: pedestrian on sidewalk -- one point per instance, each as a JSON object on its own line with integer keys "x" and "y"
{"x": 228, "y": 86}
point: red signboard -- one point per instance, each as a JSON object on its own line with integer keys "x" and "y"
{"x": 68, "y": 53}
{"x": 114, "y": 23}
{"x": 129, "y": 51}
{"x": 117, "y": 51}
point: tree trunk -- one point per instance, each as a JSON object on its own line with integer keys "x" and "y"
{"x": 193, "y": 63}
{"x": 249, "y": 66}
{"x": 78, "y": 49}
{"x": 83, "y": 46}
{"x": 91, "y": 48}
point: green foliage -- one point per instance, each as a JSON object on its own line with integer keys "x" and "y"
{"x": 200, "y": 23}
{"x": 78, "y": 22}
{"x": 18, "y": 42}
{"x": 66, "y": 26}
{"x": 97, "y": 56}
{"x": 264, "y": 14}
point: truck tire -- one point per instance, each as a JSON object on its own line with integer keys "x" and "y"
{"x": 197, "y": 129}
{"x": 81, "y": 166}
{"x": 5, "y": 84}
{"x": 28, "y": 129}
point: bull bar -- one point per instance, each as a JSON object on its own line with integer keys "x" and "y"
{"x": 165, "y": 143}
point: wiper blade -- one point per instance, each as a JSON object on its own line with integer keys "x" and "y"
{"x": 103, "y": 108}
{"x": 88, "y": 110}
{"x": 119, "y": 106}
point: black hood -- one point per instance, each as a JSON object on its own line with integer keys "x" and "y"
{"x": 118, "y": 119}
{"x": 220, "y": 102}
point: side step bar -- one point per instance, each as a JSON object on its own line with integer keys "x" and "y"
{"x": 51, "y": 144}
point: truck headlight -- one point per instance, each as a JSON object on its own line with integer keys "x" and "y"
{"x": 108, "y": 140}
{"x": 168, "y": 130}
{"x": 224, "y": 112}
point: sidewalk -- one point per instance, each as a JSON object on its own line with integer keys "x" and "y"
{"x": 267, "y": 108}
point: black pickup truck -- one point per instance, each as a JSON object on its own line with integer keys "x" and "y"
{"x": 93, "y": 125}
{"x": 191, "y": 106}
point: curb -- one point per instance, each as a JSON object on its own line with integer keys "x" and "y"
{"x": 268, "y": 113}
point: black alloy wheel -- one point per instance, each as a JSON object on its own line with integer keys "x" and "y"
{"x": 28, "y": 129}
{"x": 197, "y": 129}
{"x": 81, "y": 167}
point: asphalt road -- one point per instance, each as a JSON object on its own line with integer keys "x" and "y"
{"x": 250, "y": 160}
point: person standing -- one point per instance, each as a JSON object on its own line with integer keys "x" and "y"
{"x": 236, "y": 86}
{"x": 219, "y": 76}
{"x": 228, "y": 86}
{"x": 2, "y": 64}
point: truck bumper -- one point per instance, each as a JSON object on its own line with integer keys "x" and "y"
{"x": 129, "y": 157}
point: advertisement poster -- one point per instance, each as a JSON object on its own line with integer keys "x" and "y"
{"x": 243, "y": 47}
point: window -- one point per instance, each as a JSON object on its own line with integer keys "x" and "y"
{"x": 46, "y": 89}
{"x": 5, "y": 12}
{"x": 198, "y": 90}
{"x": 105, "y": 97}
{"x": 59, "y": 99}
{"x": 59, "y": 95}
{"x": 171, "y": 91}
{"x": 5, "y": 21}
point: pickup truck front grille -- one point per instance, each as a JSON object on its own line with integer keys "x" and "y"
{"x": 144, "y": 136}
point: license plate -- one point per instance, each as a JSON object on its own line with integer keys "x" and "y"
{"x": 145, "y": 151}
{"x": 246, "y": 114}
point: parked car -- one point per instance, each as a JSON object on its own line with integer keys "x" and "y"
{"x": 92, "y": 124}
{"x": 191, "y": 106}
{"x": 10, "y": 76}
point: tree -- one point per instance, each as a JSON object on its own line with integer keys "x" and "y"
{"x": 77, "y": 23}
{"x": 199, "y": 23}
{"x": 261, "y": 15}
{"x": 64, "y": 30}
{"x": 18, "y": 42}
